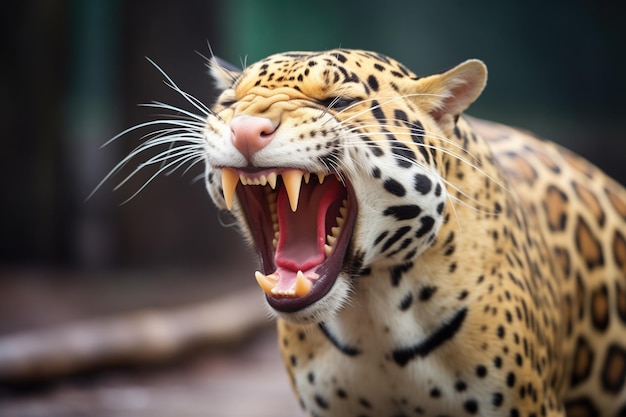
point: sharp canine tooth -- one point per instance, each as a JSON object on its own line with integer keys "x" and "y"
{"x": 271, "y": 178}
{"x": 307, "y": 177}
{"x": 320, "y": 177}
{"x": 293, "y": 180}
{"x": 229, "y": 183}
{"x": 266, "y": 282}
{"x": 303, "y": 285}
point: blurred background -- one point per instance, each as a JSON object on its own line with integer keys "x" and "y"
{"x": 75, "y": 71}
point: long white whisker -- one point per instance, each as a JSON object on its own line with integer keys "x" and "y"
{"x": 173, "y": 122}
{"x": 413, "y": 130}
{"x": 199, "y": 159}
{"x": 191, "y": 99}
{"x": 386, "y": 101}
{"x": 156, "y": 174}
{"x": 448, "y": 152}
{"x": 193, "y": 118}
{"x": 162, "y": 157}
{"x": 195, "y": 157}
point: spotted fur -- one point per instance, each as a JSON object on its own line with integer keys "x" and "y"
{"x": 486, "y": 272}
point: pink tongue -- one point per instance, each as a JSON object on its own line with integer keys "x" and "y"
{"x": 303, "y": 233}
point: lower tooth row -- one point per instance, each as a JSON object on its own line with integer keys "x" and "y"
{"x": 269, "y": 284}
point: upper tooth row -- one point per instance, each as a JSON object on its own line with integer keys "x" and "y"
{"x": 262, "y": 180}
{"x": 271, "y": 179}
{"x": 292, "y": 179}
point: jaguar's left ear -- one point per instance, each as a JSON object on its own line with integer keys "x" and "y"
{"x": 451, "y": 92}
{"x": 223, "y": 73}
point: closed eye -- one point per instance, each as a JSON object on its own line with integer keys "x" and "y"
{"x": 338, "y": 103}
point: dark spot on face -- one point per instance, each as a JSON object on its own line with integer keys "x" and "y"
{"x": 395, "y": 237}
{"x": 423, "y": 184}
{"x": 381, "y": 237}
{"x": 405, "y": 212}
{"x": 394, "y": 187}
{"x": 417, "y": 133}
{"x": 403, "y": 155}
{"x": 427, "y": 225}
{"x": 372, "y": 82}
{"x": 340, "y": 57}
{"x": 400, "y": 116}
{"x": 378, "y": 112}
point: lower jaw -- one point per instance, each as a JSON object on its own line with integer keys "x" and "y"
{"x": 322, "y": 286}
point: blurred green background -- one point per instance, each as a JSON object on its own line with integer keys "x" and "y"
{"x": 74, "y": 71}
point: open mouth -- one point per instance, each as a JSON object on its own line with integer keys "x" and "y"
{"x": 301, "y": 224}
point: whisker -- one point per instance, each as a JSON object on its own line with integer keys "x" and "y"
{"x": 162, "y": 157}
{"x": 426, "y": 146}
{"x": 173, "y": 122}
{"x": 181, "y": 132}
{"x": 156, "y": 174}
{"x": 388, "y": 100}
{"x": 413, "y": 130}
{"x": 191, "y": 99}
{"x": 448, "y": 184}
{"x": 193, "y": 118}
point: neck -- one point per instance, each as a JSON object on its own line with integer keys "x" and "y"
{"x": 476, "y": 197}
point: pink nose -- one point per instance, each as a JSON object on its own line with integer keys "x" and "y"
{"x": 251, "y": 133}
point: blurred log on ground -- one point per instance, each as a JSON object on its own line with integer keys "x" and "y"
{"x": 142, "y": 337}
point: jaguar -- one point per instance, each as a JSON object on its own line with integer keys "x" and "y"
{"x": 419, "y": 261}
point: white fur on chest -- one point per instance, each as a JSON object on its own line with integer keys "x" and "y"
{"x": 365, "y": 377}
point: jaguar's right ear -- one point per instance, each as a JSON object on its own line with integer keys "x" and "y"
{"x": 223, "y": 73}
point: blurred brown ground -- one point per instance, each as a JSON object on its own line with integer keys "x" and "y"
{"x": 245, "y": 380}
